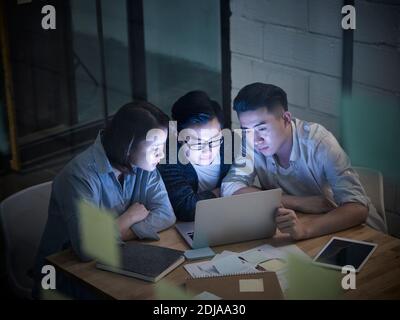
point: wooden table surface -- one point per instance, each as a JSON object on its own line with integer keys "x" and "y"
{"x": 378, "y": 279}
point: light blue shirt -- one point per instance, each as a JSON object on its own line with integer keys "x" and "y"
{"x": 90, "y": 176}
{"x": 318, "y": 166}
{"x": 208, "y": 176}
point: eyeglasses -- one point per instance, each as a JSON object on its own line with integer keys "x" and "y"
{"x": 201, "y": 146}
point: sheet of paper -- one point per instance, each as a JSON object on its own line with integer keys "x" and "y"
{"x": 230, "y": 264}
{"x": 254, "y": 257}
{"x": 216, "y": 257}
{"x": 223, "y": 254}
{"x": 207, "y": 268}
{"x": 263, "y": 253}
{"x": 251, "y": 285}
{"x": 205, "y": 295}
{"x": 293, "y": 249}
{"x": 201, "y": 269}
{"x": 273, "y": 265}
{"x": 271, "y": 253}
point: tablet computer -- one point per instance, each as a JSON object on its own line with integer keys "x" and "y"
{"x": 340, "y": 252}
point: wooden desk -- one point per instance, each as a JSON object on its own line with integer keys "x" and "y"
{"x": 379, "y": 278}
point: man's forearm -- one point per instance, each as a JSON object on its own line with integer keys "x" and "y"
{"x": 311, "y": 204}
{"x": 346, "y": 216}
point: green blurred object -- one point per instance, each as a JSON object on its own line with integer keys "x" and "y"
{"x": 370, "y": 132}
{"x": 99, "y": 234}
{"x": 308, "y": 281}
{"x": 53, "y": 295}
{"x": 4, "y": 144}
{"x": 164, "y": 290}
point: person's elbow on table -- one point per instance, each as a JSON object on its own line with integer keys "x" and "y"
{"x": 134, "y": 214}
{"x": 171, "y": 220}
{"x": 159, "y": 219}
{"x": 361, "y": 211}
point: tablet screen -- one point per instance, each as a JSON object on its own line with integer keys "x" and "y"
{"x": 342, "y": 252}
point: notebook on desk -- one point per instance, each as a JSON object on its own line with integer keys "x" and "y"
{"x": 254, "y": 286}
{"x": 146, "y": 262}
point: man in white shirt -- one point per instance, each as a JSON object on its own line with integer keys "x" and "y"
{"x": 304, "y": 160}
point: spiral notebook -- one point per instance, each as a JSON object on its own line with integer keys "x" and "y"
{"x": 251, "y": 286}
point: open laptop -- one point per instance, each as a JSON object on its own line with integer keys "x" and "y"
{"x": 232, "y": 219}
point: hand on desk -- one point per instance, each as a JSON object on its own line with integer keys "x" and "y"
{"x": 288, "y": 222}
{"x": 343, "y": 217}
{"x": 135, "y": 213}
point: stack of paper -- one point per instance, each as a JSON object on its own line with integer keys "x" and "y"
{"x": 259, "y": 259}
{"x": 224, "y": 263}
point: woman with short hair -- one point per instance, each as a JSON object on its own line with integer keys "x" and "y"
{"x": 117, "y": 173}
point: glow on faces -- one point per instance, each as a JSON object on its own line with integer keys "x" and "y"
{"x": 202, "y": 134}
{"x": 151, "y": 150}
{"x": 269, "y": 129}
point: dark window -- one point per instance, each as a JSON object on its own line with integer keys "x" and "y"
{"x": 103, "y": 53}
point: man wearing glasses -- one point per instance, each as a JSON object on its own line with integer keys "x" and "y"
{"x": 200, "y": 168}
{"x": 304, "y": 160}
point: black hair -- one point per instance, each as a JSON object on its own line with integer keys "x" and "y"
{"x": 127, "y": 129}
{"x": 195, "y": 107}
{"x": 258, "y": 95}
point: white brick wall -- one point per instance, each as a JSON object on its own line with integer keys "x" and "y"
{"x": 246, "y": 37}
{"x": 377, "y": 23}
{"x": 289, "y": 44}
{"x": 377, "y": 66}
{"x": 326, "y": 23}
{"x": 325, "y": 94}
{"x": 302, "y": 50}
{"x": 282, "y": 12}
{"x": 298, "y": 45}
